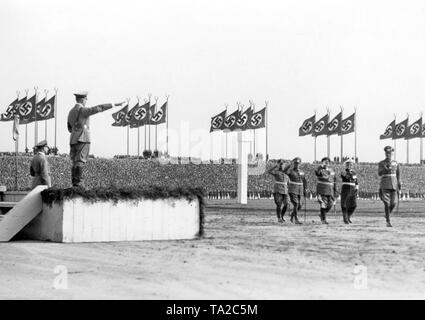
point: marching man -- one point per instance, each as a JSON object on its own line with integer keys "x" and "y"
{"x": 280, "y": 192}
{"x": 326, "y": 188}
{"x": 297, "y": 187}
{"x": 390, "y": 185}
{"x": 349, "y": 191}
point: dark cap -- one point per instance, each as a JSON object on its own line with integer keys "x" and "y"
{"x": 82, "y": 94}
{"x": 325, "y": 158}
{"x": 297, "y": 160}
{"x": 41, "y": 144}
{"x": 389, "y": 149}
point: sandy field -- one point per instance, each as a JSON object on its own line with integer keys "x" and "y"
{"x": 245, "y": 254}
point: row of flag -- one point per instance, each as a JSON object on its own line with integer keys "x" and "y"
{"x": 140, "y": 115}
{"x": 403, "y": 130}
{"x": 323, "y": 126}
{"x": 29, "y": 110}
{"x": 239, "y": 120}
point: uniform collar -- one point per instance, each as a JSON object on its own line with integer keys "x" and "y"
{"x": 41, "y": 152}
{"x": 79, "y": 104}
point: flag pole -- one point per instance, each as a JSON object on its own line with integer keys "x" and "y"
{"x": 156, "y": 126}
{"x": 355, "y": 134}
{"x": 128, "y": 129}
{"x": 149, "y": 120}
{"x": 36, "y": 121}
{"x": 421, "y": 142}
{"x": 17, "y": 94}
{"x": 395, "y": 140}
{"x": 16, "y": 123}
{"x": 138, "y": 133}
{"x": 328, "y": 137}
{"x": 267, "y": 130}
{"x": 45, "y": 121}
{"x": 407, "y": 141}
{"x": 26, "y": 126}
{"x": 252, "y": 105}
{"x": 342, "y": 139}
{"x": 56, "y": 118}
{"x": 226, "y": 105}
{"x": 166, "y": 128}
{"x": 315, "y": 141}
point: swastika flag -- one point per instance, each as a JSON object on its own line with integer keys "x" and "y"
{"x": 401, "y": 129}
{"x": 242, "y": 123}
{"x": 414, "y": 130}
{"x": 160, "y": 116}
{"x": 319, "y": 127}
{"x": 119, "y": 117}
{"x": 46, "y": 109}
{"x": 230, "y": 121}
{"x": 334, "y": 126}
{"x": 139, "y": 115}
{"x": 307, "y": 126}
{"x": 389, "y": 131}
{"x": 348, "y": 125}
{"x": 217, "y": 122}
{"x": 9, "y": 112}
{"x": 27, "y": 110}
{"x": 258, "y": 119}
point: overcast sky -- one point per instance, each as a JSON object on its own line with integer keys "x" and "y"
{"x": 298, "y": 55}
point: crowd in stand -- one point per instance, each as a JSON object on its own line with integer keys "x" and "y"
{"x": 218, "y": 179}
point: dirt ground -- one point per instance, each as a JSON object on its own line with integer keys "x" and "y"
{"x": 245, "y": 254}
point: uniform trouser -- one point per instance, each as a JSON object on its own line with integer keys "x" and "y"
{"x": 296, "y": 203}
{"x": 389, "y": 198}
{"x": 281, "y": 201}
{"x": 326, "y": 203}
{"x": 79, "y": 154}
{"x": 348, "y": 202}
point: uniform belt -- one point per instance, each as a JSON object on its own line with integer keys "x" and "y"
{"x": 297, "y": 183}
{"x": 388, "y": 175}
{"x": 348, "y": 184}
{"x": 327, "y": 183}
{"x": 280, "y": 182}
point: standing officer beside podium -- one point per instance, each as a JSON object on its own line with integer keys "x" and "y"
{"x": 389, "y": 172}
{"x": 79, "y": 128}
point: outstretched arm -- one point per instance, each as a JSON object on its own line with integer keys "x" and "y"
{"x": 86, "y": 112}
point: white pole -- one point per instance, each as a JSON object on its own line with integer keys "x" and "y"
{"x": 242, "y": 169}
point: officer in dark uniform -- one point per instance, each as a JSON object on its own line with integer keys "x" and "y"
{"x": 297, "y": 187}
{"x": 349, "y": 191}
{"x": 39, "y": 169}
{"x": 326, "y": 188}
{"x": 390, "y": 185}
{"x": 280, "y": 192}
{"x": 79, "y": 128}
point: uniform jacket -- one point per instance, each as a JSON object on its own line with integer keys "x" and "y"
{"x": 349, "y": 182}
{"x": 79, "y": 121}
{"x": 326, "y": 181}
{"x": 297, "y": 183}
{"x": 389, "y": 172}
{"x": 39, "y": 170}
{"x": 281, "y": 180}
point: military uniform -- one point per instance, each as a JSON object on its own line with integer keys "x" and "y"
{"x": 297, "y": 186}
{"x": 326, "y": 189}
{"x": 389, "y": 172}
{"x": 39, "y": 168}
{"x": 280, "y": 191}
{"x": 79, "y": 128}
{"x": 349, "y": 191}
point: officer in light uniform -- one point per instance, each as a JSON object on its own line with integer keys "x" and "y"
{"x": 280, "y": 192}
{"x": 39, "y": 169}
{"x": 389, "y": 172}
{"x": 79, "y": 128}
{"x": 349, "y": 191}
{"x": 326, "y": 188}
{"x": 297, "y": 187}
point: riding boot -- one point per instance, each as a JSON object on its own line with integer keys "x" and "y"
{"x": 78, "y": 176}
{"x": 282, "y": 213}
{"x": 387, "y": 216}
{"x": 278, "y": 210}
{"x": 73, "y": 175}
{"x": 345, "y": 216}
{"x": 323, "y": 216}
{"x": 295, "y": 218}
